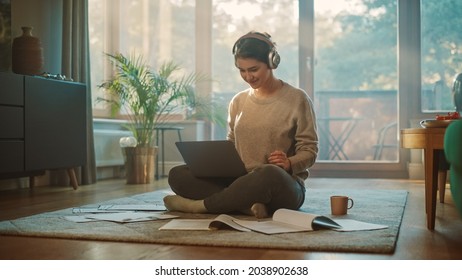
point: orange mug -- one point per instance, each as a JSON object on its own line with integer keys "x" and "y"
{"x": 340, "y": 204}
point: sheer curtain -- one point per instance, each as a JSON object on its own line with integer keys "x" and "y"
{"x": 76, "y": 65}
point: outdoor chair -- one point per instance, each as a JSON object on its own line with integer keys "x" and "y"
{"x": 384, "y": 135}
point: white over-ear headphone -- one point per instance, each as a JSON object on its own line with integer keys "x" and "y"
{"x": 273, "y": 57}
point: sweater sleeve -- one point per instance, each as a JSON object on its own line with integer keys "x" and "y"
{"x": 306, "y": 138}
{"x": 233, "y": 108}
{"x": 231, "y": 120}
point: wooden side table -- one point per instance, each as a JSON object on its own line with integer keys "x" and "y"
{"x": 432, "y": 141}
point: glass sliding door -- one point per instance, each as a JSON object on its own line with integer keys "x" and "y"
{"x": 356, "y": 80}
{"x": 441, "y": 53}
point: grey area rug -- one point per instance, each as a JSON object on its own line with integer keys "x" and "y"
{"x": 374, "y": 206}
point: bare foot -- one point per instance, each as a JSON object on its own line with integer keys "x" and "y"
{"x": 259, "y": 210}
{"x": 181, "y": 204}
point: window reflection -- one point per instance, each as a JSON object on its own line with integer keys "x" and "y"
{"x": 441, "y": 52}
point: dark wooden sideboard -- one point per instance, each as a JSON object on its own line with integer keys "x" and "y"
{"x": 42, "y": 125}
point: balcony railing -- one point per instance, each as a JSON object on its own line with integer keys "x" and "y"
{"x": 352, "y": 125}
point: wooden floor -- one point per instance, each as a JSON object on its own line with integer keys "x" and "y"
{"x": 414, "y": 241}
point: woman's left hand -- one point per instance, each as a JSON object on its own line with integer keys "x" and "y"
{"x": 280, "y": 159}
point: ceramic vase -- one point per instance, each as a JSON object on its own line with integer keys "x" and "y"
{"x": 27, "y": 54}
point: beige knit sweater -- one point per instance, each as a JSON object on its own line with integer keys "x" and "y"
{"x": 285, "y": 122}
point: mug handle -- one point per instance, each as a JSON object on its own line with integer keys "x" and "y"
{"x": 352, "y": 203}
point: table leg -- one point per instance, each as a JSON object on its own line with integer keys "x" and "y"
{"x": 336, "y": 142}
{"x": 431, "y": 183}
{"x": 442, "y": 184}
{"x": 160, "y": 142}
{"x": 335, "y": 148}
{"x": 343, "y": 137}
{"x": 157, "y": 155}
{"x": 163, "y": 154}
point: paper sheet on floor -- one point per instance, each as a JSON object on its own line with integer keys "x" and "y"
{"x": 111, "y": 208}
{"x": 120, "y": 217}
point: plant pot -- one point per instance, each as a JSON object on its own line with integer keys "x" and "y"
{"x": 139, "y": 164}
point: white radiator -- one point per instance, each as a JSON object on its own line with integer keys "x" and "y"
{"x": 107, "y": 149}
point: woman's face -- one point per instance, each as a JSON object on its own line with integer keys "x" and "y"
{"x": 254, "y": 72}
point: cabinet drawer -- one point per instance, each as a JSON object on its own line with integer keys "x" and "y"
{"x": 11, "y": 122}
{"x": 12, "y": 153}
{"x": 11, "y": 89}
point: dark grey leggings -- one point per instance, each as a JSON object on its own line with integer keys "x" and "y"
{"x": 267, "y": 184}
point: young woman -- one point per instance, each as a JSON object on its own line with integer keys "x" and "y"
{"x": 273, "y": 127}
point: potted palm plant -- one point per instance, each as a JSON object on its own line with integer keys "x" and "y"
{"x": 148, "y": 97}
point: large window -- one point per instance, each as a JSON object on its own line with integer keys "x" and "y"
{"x": 344, "y": 53}
{"x": 355, "y": 79}
{"x": 441, "y": 52}
{"x": 160, "y": 31}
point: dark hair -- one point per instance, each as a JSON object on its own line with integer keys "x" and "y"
{"x": 248, "y": 47}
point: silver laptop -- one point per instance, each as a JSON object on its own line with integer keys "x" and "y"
{"x": 212, "y": 158}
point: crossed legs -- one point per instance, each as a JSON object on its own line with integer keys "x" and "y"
{"x": 258, "y": 193}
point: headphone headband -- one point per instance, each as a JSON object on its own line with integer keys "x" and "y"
{"x": 258, "y": 36}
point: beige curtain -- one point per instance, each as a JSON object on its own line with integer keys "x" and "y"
{"x": 76, "y": 65}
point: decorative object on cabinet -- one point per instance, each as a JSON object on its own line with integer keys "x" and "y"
{"x": 27, "y": 53}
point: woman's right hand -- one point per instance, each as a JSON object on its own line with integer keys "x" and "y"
{"x": 280, "y": 159}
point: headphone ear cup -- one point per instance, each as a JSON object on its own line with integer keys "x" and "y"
{"x": 273, "y": 59}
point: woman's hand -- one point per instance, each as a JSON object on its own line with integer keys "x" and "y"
{"x": 280, "y": 159}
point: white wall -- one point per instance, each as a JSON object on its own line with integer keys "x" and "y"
{"x": 45, "y": 16}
